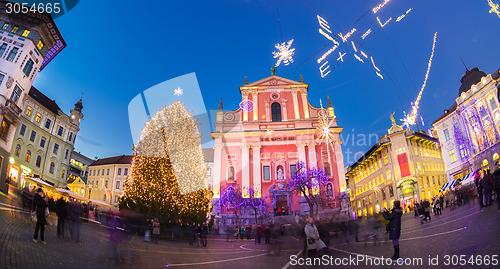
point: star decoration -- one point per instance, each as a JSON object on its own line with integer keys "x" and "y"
{"x": 284, "y": 53}
{"x": 268, "y": 133}
{"x": 324, "y": 131}
{"x": 494, "y": 8}
{"x": 178, "y": 91}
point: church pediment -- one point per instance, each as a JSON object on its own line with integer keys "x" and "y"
{"x": 273, "y": 81}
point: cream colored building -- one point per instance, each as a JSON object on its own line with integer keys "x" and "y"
{"x": 404, "y": 165}
{"x": 106, "y": 178}
{"x": 44, "y": 140}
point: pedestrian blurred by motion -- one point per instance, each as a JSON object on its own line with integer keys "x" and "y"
{"x": 204, "y": 234}
{"x": 479, "y": 186}
{"x": 192, "y": 234}
{"x": 156, "y": 230}
{"x": 259, "y": 231}
{"x": 314, "y": 243}
{"x": 199, "y": 231}
{"x": 282, "y": 229}
{"x": 76, "y": 213}
{"x": 40, "y": 206}
{"x": 427, "y": 208}
{"x": 395, "y": 226}
{"x": 415, "y": 209}
{"x": 267, "y": 234}
{"x": 421, "y": 212}
{"x": 496, "y": 183}
{"x": 229, "y": 232}
{"x": 236, "y": 232}
{"x": 62, "y": 215}
{"x": 147, "y": 233}
{"x": 487, "y": 183}
{"x": 248, "y": 231}
{"x": 242, "y": 232}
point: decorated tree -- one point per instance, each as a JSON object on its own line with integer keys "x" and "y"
{"x": 310, "y": 184}
{"x": 231, "y": 196}
{"x": 168, "y": 175}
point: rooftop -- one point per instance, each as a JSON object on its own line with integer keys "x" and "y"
{"x": 123, "y": 159}
{"x": 44, "y": 100}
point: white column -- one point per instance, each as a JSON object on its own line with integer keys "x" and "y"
{"x": 256, "y": 171}
{"x": 245, "y": 173}
{"x": 305, "y": 104}
{"x": 295, "y": 104}
{"x": 268, "y": 110}
{"x": 283, "y": 106}
{"x": 255, "y": 108}
{"x": 217, "y": 171}
{"x": 302, "y": 153}
{"x": 313, "y": 163}
{"x": 339, "y": 162}
{"x": 245, "y": 111}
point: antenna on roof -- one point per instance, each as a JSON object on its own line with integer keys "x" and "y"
{"x": 464, "y": 64}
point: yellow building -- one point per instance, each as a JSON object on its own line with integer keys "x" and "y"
{"x": 78, "y": 186}
{"x": 404, "y": 165}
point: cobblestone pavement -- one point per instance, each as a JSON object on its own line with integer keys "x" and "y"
{"x": 465, "y": 231}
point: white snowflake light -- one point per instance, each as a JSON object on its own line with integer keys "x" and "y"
{"x": 324, "y": 131}
{"x": 178, "y": 91}
{"x": 494, "y": 8}
{"x": 284, "y": 53}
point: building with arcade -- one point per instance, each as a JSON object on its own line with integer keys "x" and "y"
{"x": 257, "y": 146}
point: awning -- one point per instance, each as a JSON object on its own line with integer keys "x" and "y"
{"x": 444, "y": 186}
{"x": 38, "y": 181}
{"x": 452, "y": 185}
{"x": 73, "y": 195}
{"x": 100, "y": 203}
{"x": 468, "y": 179}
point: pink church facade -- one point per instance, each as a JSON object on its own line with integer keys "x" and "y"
{"x": 259, "y": 145}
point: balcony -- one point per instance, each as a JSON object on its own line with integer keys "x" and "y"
{"x": 10, "y": 109}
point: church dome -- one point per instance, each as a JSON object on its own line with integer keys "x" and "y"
{"x": 470, "y": 78}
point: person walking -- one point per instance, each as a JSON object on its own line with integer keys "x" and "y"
{"x": 487, "y": 183}
{"x": 236, "y": 232}
{"x": 248, "y": 232}
{"x": 427, "y": 206}
{"x": 421, "y": 211}
{"x": 394, "y": 226}
{"x": 204, "y": 234}
{"x": 40, "y": 206}
{"x": 496, "y": 183}
{"x": 62, "y": 215}
{"x": 479, "y": 186}
{"x": 242, "y": 232}
{"x": 192, "y": 234}
{"x": 314, "y": 243}
{"x": 156, "y": 230}
{"x": 267, "y": 234}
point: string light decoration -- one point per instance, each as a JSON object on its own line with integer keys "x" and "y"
{"x": 178, "y": 91}
{"x": 231, "y": 196}
{"x": 268, "y": 133}
{"x": 327, "y": 53}
{"x": 383, "y": 24}
{"x": 380, "y": 6}
{"x": 167, "y": 178}
{"x": 366, "y": 33}
{"x": 359, "y": 58}
{"x": 412, "y": 118}
{"x": 494, "y": 8}
{"x": 404, "y": 15}
{"x": 284, "y": 53}
{"x": 324, "y": 131}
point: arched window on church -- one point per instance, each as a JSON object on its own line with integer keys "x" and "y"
{"x": 276, "y": 112}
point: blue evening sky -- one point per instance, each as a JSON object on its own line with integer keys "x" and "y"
{"x": 118, "y": 49}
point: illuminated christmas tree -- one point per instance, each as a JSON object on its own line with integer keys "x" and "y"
{"x": 168, "y": 175}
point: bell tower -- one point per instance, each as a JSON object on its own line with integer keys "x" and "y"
{"x": 76, "y": 113}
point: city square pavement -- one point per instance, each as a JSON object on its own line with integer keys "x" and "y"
{"x": 464, "y": 231}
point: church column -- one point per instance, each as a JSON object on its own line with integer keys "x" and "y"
{"x": 313, "y": 163}
{"x": 283, "y": 106}
{"x": 295, "y": 104}
{"x": 245, "y": 173}
{"x": 339, "y": 162}
{"x": 302, "y": 153}
{"x": 217, "y": 170}
{"x": 245, "y": 111}
{"x": 305, "y": 103}
{"x": 255, "y": 108}
{"x": 268, "y": 110}
{"x": 256, "y": 171}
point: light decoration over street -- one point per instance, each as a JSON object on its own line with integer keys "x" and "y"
{"x": 366, "y": 33}
{"x": 404, "y": 15}
{"x": 284, "y": 53}
{"x": 325, "y": 132}
{"x": 412, "y": 118}
{"x": 380, "y": 6}
{"x": 349, "y": 34}
{"x": 383, "y": 24}
{"x": 327, "y": 53}
{"x": 178, "y": 91}
{"x": 494, "y": 8}
{"x": 268, "y": 133}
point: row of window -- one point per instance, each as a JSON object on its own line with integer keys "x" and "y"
{"x": 430, "y": 166}
{"x": 11, "y": 54}
{"x": 48, "y": 122}
{"x": 373, "y": 183}
{"x": 426, "y": 150}
{"x": 25, "y": 32}
{"x": 119, "y": 172}
{"x": 32, "y": 138}
{"x": 117, "y": 184}
{"x": 38, "y": 161}
{"x": 383, "y": 194}
{"x": 280, "y": 172}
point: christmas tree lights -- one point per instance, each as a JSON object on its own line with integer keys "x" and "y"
{"x": 154, "y": 187}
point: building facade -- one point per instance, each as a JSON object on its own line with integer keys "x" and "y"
{"x": 44, "y": 140}
{"x": 106, "y": 178}
{"x": 28, "y": 42}
{"x": 78, "y": 171}
{"x": 469, "y": 131}
{"x": 404, "y": 165}
{"x": 258, "y": 146}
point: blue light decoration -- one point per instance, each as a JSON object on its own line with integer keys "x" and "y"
{"x": 230, "y": 196}
{"x": 247, "y": 105}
